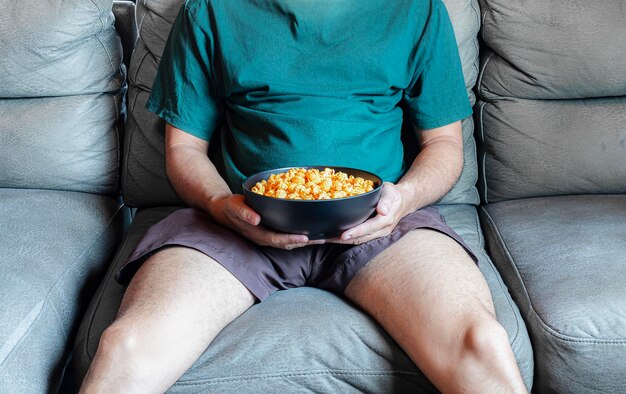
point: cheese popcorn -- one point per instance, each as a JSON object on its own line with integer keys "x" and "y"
{"x": 312, "y": 184}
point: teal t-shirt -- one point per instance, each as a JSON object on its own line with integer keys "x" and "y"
{"x": 309, "y": 82}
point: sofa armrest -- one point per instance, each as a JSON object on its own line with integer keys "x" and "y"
{"x": 126, "y": 26}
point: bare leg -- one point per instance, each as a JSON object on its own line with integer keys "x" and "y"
{"x": 176, "y": 304}
{"x": 432, "y": 299}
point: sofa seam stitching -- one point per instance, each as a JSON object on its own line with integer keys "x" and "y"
{"x": 488, "y": 9}
{"x": 139, "y": 67}
{"x": 140, "y": 22}
{"x": 481, "y": 74}
{"x": 99, "y": 14}
{"x": 293, "y": 374}
{"x": 118, "y": 139}
{"x": 109, "y": 57}
{"x": 149, "y": 11}
{"x": 484, "y": 151}
{"x": 126, "y": 157}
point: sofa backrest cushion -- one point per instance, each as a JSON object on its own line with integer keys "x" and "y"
{"x": 144, "y": 182}
{"x": 61, "y": 89}
{"x": 552, "y": 90}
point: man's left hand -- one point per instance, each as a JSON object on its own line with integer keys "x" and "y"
{"x": 390, "y": 209}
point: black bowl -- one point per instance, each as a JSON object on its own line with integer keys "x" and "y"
{"x": 317, "y": 219}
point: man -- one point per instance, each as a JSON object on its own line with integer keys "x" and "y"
{"x": 291, "y": 83}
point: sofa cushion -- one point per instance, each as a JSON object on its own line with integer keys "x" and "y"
{"x": 536, "y": 148}
{"x": 61, "y": 143}
{"x": 59, "y": 48}
{"x": 55, "y": 246}
{"x": 549, "y": 49}
{"x": 564, "y": 259}
{"x": 259, "y": 352}
{"x": 552, "y": 98}
{"x": 61, "y": 90}
{"x": 144, "y": 182}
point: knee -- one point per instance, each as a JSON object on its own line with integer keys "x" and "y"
{"x": 485, "y": 340}
{"x": 121, "y": 357}
{"x": 119, "y": 342}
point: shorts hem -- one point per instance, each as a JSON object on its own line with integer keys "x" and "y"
{"x": 370, "y": 250}
{"x": 132, "y": 265}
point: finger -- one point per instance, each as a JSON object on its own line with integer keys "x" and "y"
{"x": 368, "y": 227}
{"x": 359, "y": 240}
{"x": 280, "y": 240}
{"x": 300, "y": 245}
{"x": 237, "y": 208}
{"x": 307, "y": 243}
{"x": 388, "y": 199}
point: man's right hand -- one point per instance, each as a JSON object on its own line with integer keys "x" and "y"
{"x": 234, "y": 213}
{"x": 199, "y": 184}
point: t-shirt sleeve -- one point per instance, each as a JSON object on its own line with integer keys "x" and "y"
{"x": 184, "y": 92}
{"x": 437, "y": 95}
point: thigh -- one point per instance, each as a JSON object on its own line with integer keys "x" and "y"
{"x": 177, "y": 302}
{"x": 423, "y": 289}
{"x": 262, "y": 270}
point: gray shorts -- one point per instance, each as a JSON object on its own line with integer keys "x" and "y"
{"x": 264, "y": 270}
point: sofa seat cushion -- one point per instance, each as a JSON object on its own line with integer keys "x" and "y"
{"x": 54, "y": 248}
{"x": 564, "y": 260}
{"x": 302, "y": 339}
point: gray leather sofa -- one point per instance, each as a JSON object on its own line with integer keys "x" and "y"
{"x": 551, "y": 126}
{"x": 62, "y": 84}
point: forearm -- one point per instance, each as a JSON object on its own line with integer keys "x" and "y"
{"x": 431, "y": 175}
{"x": 199, "y": 184}
{"x": 194, "y": 178}
{"x": 434, "y": 171}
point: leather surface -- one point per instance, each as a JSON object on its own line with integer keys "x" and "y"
{"x": 54, "y": 48}
{"x": 61, "y": 90}
{"x": 144, "y": 182}
{"x": 548, "y": 49}
{"x": 62, "y": 143}
{"x": 126, "y": 27}
{"x": 552, "y": 98}
{"x": 53, "y": 251}
{"x": 567, "y": 276}
{"x": 532, "y": 148}
{"x": 259, "y": 352}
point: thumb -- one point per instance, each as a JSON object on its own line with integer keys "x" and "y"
{"x": 388, "y": 197}
{"x": 244, "y": 212}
